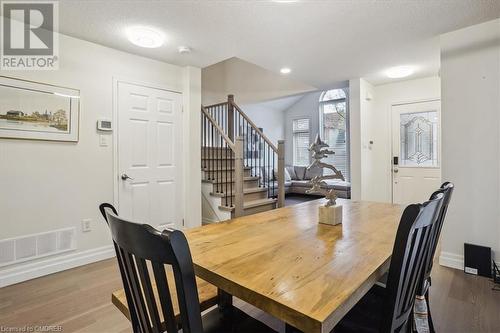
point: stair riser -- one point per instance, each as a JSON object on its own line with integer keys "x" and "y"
{"x": 225, "y": 178}
{"x": 247, "y": 197}
{"x": 246, "y": 184}
{"x": 258, "y": 209}
{"x": 216, "y": 153}
{"x": 223, "y": 174}
{"x": 214, "y": 148}
{"x": 216, "y": 164}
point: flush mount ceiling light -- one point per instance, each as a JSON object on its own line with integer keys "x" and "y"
{"x": 145, "y": 37}
{"x": 184, "y": 49}
{"x": 399, "y": 72}
{"x": 285, "y": 70}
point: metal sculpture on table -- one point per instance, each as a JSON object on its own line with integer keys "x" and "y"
{"x": 330, "y": 213}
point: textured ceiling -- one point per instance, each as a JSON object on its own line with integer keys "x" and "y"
{"x": 323, "y": 41}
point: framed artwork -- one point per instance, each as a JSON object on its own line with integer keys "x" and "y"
{"x": 37, "y": 111}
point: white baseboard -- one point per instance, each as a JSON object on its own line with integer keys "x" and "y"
{"x": 205, "y": 220}
{"x": 451, "y": 260}
{"x": 454, "y": 260}
{"x": 30, "y": 271}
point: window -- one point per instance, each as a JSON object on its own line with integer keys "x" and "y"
{"x": 301, "y": 142}
{"x": 418, "y": 139}
{"x": 334, "y": 128}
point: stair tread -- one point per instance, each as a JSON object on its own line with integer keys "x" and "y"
{"x": 215, "y": 158}
{"x": 259, "y": 202}
{"x": 224, "y": 181}
{"x": 245, "y": 191}
{"x": 252, "y": 204}
{"x": 224, "y": 169}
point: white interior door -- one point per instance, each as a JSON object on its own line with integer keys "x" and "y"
{"x": 416, "y": 151}
{"x": 149, "y": 155}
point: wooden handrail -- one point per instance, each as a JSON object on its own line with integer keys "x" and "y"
{"x": 230, "y": 143}
{"x": 213, "y": 105}
{"x": 256, "y": 129}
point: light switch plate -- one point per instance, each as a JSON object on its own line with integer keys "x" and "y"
{"x": 103, "y": 140}
{"x": 86, "y": 225}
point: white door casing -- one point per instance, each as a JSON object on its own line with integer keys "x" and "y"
{"x": 416, "y": 144}
{"x": 149, "y": 149}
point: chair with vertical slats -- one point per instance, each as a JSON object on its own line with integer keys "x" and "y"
{"x": 390, "y": 309}
{"x": 121, "y": 298}
{"x": 104, "y": 208}
{"x": 425, "y": 282}
{"x": 146, "y": 256}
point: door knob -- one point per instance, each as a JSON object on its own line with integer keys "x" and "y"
{"x": 125, "y": 177}
{"x": 396, "y": 170}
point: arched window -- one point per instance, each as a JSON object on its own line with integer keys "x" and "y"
{"x": 334, "y": 127}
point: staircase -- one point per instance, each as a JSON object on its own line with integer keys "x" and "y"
{"x": 243, "y": 169}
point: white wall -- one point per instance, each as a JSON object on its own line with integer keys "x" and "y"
{"x": 376, "y": 126}
{"x": 470, "y": 76}
{"x": 356, "y": 89}
{"x": 271, "y": 120}
{"x": 306, "y": 107}
{"x": 248, "y": 83}
{"x": 51, "y": 185}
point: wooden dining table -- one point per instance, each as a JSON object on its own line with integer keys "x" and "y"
{"x": 284, "y": 262}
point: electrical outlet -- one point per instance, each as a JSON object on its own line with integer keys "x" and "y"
{"x": 86, "y": 225}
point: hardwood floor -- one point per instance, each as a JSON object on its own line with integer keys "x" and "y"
{"x": 79, "y": 300}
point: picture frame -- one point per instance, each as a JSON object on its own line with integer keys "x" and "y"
{"x": 37, "y": 111}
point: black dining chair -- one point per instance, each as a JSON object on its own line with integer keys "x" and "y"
{"x": 390, "y": 309}
{"x": 104, "y": 208}
{"x": 143, "y": 254}
{"x": 425, "y": 282}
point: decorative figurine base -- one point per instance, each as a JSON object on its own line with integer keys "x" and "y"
{"x": 330, "y": 215}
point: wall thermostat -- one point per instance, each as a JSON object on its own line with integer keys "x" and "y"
{"x": 104, "y": 125}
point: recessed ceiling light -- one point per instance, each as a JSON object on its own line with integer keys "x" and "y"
{"x": 145, "y": 37}
{"x": 184, "y": 49}
{"x": 285, "y": 70}
{"x": 399, "y": 72}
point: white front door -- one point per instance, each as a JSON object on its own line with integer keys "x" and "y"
{"x": 416, "y": 151}
{"x": 149, "y": 155}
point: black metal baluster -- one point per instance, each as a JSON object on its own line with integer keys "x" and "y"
{"x": 264, "y": 167}
{"x": 215, "y": 173}
{"x": 202, "y": 140}
{"x": 246, "y": 145}
{"x": 226, "y": 184}
{"x": 251, "y": 151}
{"x": 260, "y": 161}
{"x": 274, "y": 176}
{"x": 219, "y": 165}
{"x": 231, "y": 183}
{"x": 212, "y": 161}
{"x": 268, "y": 173}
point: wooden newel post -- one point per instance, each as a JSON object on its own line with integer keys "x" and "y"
{"x": 230, "y": 117}
{"x": 238, "y": 177}
{"x": 281, "y": 173}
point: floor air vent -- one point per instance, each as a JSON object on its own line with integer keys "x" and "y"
{"x": 29, "y": 247}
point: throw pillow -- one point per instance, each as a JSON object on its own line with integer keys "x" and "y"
{"x": 300, "y": 171}
{"x": 313, "y": 172}
{"x": 291, "y": 172}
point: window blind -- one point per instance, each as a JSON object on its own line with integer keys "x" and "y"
{"x": 335, "y": 133}
{"x": 301, "y": 142}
